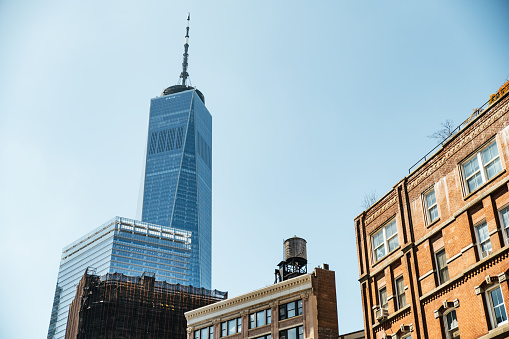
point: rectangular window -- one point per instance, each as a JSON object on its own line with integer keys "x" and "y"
{"x": 290, "y": 310}
{"x": 382, "y": 295}
{"x": 292, "y": 333}
{"x": 483, "y": 240}
{"x": 443, "y": 271}
{"x": 231, "y": 327}
{"x": 451, "y": 325}
{"x": 497, "y": 307}
{"x": 260, "y": 318}
{"x": 504, "y": 217}
{"x": 481, "y": 167}
{"x": 431, "y": 206}
{"x": 385, "y": 240}
{"x": 204, "y": 333}
{"x": 263, "y": 337}
{"x": 400, "y": 292}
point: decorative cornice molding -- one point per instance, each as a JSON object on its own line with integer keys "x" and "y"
{"x": 390, "y": 201}
{"x": 251, "y": 296}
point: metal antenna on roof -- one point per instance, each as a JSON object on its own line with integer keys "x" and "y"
{"x": 184, "y": 75}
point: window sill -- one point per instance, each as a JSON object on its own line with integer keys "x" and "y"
{"x": 494, "y": 333}
{"x": 393, "y": 315}
{"x": 436, "y": 221}
{"x": 484, "y": 185}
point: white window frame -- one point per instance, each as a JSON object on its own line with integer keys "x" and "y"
{"x": 386, "y": 305}
{"x": 429, "y": 208}
{"x": 491, "y": 307}
{"x": 385, "y": 241}
{"x": 449, "y": 331}
{"x": 440, "y": 282}
{"x": 399, "y": 293}
{"x": 481, "y": 167}
{"x": 505, "y": 228}
{"x": 482, "y": 253}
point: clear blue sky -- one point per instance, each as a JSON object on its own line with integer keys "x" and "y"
{"x": 313, "y": 105}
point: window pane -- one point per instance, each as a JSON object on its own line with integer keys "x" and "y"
{"x": 211, "y": 332}
{"x": 391, "y": 229}
{"x": 489, "y": 153}
{"x": 393, "y": 243}
{"x": 291, "y": 309}
{"x": 474, "y": 182}
{"x": 493, "y": 168}
{"x": 252, "y": 320}
{"x": 299, "y": 307}
{"x": 498, "y": 306}
{"x": 223, "y": 329}
{"x": 196, "y": 334}
{"x": 269, "y": 316}
{"x": 383, "y": 298}
{"x": 204, "y": 333}
{"x": 282, "y": 312}
{"x": 232, "y": 325}
{"x": 433, "y": 214}
{"x": 380, "y": 253}
{"x": 430, "y": 199}
{"x": 292, "y": 333}
{"x": 260, "y": 318}
{"x": 452, "y": 322}
{"x": 239, "y": 325}
{"x": 471, "y": 167}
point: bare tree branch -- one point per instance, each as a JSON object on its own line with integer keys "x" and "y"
{"x": 443, "y": 133}
{"x": 369, "y": 199}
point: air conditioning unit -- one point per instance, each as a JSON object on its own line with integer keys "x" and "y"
{"x": 484, "y": 254}
{"x": 381, "y": 314}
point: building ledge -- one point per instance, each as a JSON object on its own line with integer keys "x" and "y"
{"x": 498, "y": 332}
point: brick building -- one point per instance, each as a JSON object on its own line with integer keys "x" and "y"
{"x": 433, "y": 252}
{"x": 298, "y": 308}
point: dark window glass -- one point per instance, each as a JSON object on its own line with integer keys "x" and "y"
{"x": 252, "y": 320}
{"x": 443, "y": 271}
{"x": 299, "y": 307}
{"x": 269, "y": 316}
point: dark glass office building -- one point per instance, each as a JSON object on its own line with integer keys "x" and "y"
{"x": 178, "y": 172}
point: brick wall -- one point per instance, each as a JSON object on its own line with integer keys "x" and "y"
{"x": 427, "y": 298}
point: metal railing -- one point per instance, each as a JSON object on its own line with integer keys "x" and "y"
{"x": 428, "y": 155}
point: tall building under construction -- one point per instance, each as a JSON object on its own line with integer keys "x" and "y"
{"x": 119, "y": 306}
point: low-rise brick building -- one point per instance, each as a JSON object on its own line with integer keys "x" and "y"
{"x": 433, "y": 252}
{"x": 298, "y": 308}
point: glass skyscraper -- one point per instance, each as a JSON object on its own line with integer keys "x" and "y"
{"x": 178, "y": 172}
{"x": 120, "y": 246}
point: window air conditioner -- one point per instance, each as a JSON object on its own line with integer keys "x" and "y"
{"x": 381, "y": 314}
{"x": 484, "y": 254}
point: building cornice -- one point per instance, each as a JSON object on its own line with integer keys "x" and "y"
{"x": 298, "y": 284}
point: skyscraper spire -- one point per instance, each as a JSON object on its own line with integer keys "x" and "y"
{"x": 184, "y": 75}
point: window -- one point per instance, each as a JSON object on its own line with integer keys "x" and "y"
{"x": 290, "y": 310}
{"x": 259, "y": 318}
{"x": 496, "y": 307}
{"x": 483, "y": 240}
{"x": 451, "y": 325}
{"x": 504, "y": 216}
{"x": 292, "y": 333}
{"x": 430, "y": 202}
{"x": 443, "y": 271}
{"x": 385, "y": 240}
{"x": 382, "y": 297}
{"x": 204, "y": 333}
{"x": 481, "y": 167}
{"x": 230, "y": 327}
{"x": 406, "y": 336}
{"x": 400, "y": 293}
{"x": 263, "y": 337}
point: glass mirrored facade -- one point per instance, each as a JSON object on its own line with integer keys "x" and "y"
{"x": 120, "y": 246}
{"x": 178, "y": 174}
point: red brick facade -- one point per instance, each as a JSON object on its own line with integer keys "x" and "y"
{"x": 469, "y": 222}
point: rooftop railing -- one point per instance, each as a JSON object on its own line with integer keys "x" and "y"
{"x": 428, "y": 155}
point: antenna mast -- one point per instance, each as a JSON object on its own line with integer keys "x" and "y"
{"x": 184, "y": 75}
